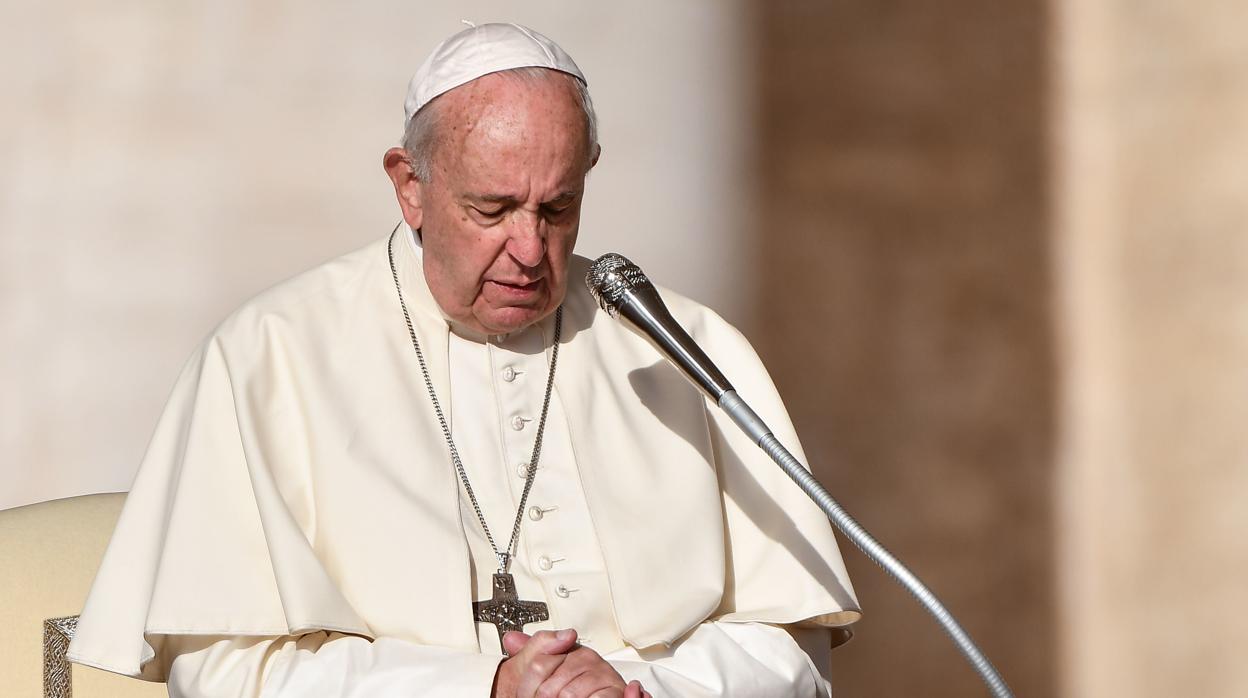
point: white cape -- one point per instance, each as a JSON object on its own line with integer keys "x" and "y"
{"x": 298, "y": 481}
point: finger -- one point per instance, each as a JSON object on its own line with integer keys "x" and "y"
{"x": 527, "y": 667}
{"x": 598, "y": 680}
{"x": 556, "y": 642}
{"x": 535, "y": 668}
{"x": 514, "y": 641}
{"x": 541, "y": 656}
{"x": 577, "y": 662}
{"x": 583, "y": 673}
{"x": 633, "y": 690}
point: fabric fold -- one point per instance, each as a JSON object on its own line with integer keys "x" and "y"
{"x": 298, "y": 481}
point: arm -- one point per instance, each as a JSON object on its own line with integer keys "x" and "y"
{"x": 744, "y": 660}
{"x": 321, "y": 665}
{"x": 736, "y": 660}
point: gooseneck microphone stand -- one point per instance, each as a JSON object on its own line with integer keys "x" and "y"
{"x": 750, "y": 423}
{"x": 623, "y": 290}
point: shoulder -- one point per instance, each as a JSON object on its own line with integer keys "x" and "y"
{"x": 316, "y": 298}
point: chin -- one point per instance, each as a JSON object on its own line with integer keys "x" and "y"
{"x": 507, "y": 320}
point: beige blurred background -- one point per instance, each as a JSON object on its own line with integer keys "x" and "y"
{"x": 996, "y": 255}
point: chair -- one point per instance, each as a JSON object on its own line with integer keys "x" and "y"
{"x": 48, "y": 556}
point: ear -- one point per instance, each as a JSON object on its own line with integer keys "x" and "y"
{"x": 594, "y": 160}
{"x": 406, "y": 187}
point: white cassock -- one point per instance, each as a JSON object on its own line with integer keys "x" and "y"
{"x": 297, "y": 527}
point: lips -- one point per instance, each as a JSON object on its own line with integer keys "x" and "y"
{"x": 530, "y": 286}
{"x": 518, "y": 288}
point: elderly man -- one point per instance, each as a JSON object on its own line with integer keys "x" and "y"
{"x": 431, "y": 468}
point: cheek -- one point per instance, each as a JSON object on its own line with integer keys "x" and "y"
{"x": 474, "y": 258}
{"x": 450, "y": 277}
{"x": 559, "y": 253}
{"x": 561, "y": 248}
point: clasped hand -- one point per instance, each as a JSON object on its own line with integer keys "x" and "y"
{"x": 551, "y": 664}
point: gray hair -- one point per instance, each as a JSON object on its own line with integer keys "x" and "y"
{"x": 420, "y": 137}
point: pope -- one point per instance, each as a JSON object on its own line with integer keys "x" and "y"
{"x": 431, "y": 467}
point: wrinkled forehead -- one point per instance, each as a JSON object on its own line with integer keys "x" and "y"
{"x": 535, "y": 113}
{"x": 536, "y": 95}
{"x": 536, "y": 106}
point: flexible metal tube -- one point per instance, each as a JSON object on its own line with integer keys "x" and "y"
{"x": 864, "y": 541}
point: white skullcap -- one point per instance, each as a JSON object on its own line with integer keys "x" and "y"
{"x": 481, "y": 50}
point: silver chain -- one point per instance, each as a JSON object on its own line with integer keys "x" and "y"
{"x": 504, "y": 558}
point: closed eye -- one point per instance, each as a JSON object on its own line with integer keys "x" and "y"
{"x": 559, "y": 205}
{"x": 488, "y": 212}
{"x": 552, "y": 211}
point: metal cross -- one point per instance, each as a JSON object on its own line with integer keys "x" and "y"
{"x": 505, "y": 611}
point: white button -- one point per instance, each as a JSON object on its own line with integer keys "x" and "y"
{"x": 548, "y": 562}
{"x": 536, "y": 513}
{"x": 522, "y": 470}
{"x": 518, "y": 422}
{"x": 509, "y": 374}
{"x": 563, "y": 592}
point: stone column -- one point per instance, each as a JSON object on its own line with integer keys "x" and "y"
{"x": 904, "y": 309}
{"x": 1005, "y": 271}
{"x": 1151, "y": 185}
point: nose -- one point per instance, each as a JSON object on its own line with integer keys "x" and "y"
{"x": 527, "y": 242}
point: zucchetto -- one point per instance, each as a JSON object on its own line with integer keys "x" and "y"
{"x": 481, "y": 50}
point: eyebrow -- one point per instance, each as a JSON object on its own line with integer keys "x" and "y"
{"x": 508, "y": 199}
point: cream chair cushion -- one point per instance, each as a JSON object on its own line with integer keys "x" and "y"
{"x": 48, "y": 556}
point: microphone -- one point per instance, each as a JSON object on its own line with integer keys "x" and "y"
{"x": 622, "y": 289}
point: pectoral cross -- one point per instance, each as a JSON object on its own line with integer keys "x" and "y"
{"x": 505, "y": 611}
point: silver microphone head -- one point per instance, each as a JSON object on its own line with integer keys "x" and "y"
{"x": 610, "y": 277}
{"x": 623, "y": 290}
